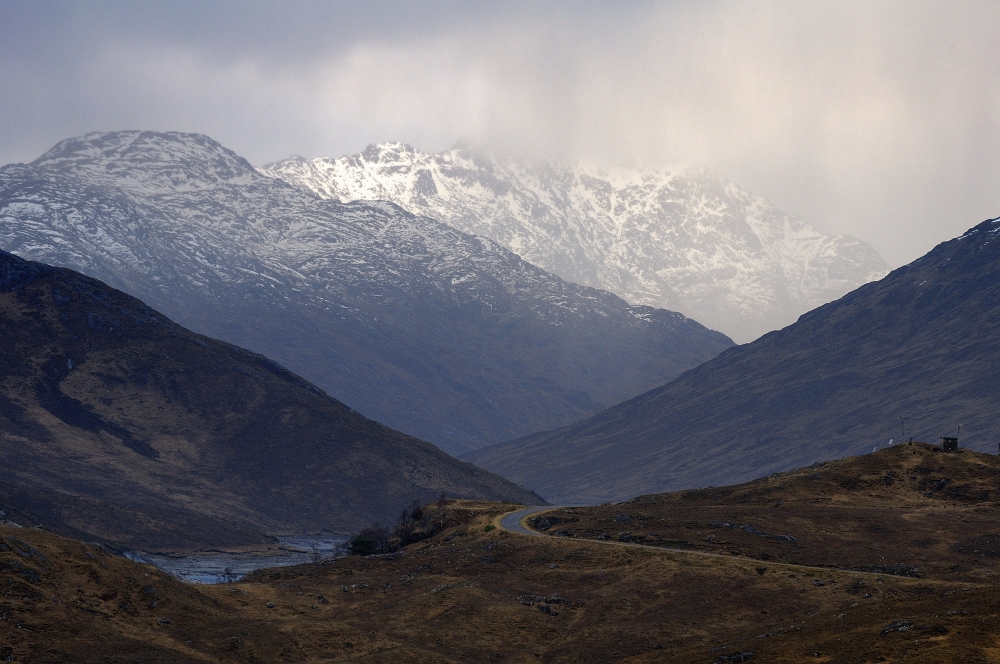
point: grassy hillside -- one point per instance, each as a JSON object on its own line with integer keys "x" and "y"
{"x": 476, "y": 593}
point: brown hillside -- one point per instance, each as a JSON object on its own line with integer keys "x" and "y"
{"x": 121, "y": 424}
{"x": 476, "y": 594}
{"x": 65, "y": 601}
{"x": 904, "y": 510}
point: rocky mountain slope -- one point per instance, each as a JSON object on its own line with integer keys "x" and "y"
{"x": 118, "y": 423}
{"x": 684, "y": 240}
{"x": 922, "y": 343}
{"x": 440, "y": 334}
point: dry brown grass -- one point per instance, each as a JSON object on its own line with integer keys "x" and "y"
{"x": 475, "y": 595}
{"x": 904, "y": 507}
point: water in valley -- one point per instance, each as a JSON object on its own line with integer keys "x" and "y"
{"x": 223, "y": 567}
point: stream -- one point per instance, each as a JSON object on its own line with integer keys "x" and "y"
{"x": 222, "y": 567}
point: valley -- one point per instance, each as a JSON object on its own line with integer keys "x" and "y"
{"x": 570, "y": 332}
{"x": 439, "y": 334}
{"x": 129, "y": 440}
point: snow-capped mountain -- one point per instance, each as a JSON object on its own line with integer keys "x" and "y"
{"x": 432, "y": 331}
{"x": 682, "y": 240}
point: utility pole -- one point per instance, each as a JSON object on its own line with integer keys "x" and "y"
{"x": 902, "y": 426}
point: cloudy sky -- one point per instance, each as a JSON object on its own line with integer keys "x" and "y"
{"x": 877, "y": 119}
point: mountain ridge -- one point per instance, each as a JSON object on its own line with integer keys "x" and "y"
{"x": 441, "y": 334}
{"x": 681, "y": 239}
{"x": 920, "y": 343}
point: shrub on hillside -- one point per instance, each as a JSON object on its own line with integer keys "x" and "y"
{"x": 415, "y": 523}
{"x": 371, "y": 540}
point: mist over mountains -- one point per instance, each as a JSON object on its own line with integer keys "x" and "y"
{"x": 684, "y": 240}
{"x": 922, "y": 343}
{"x": 575, "y": 334}
{"x": 437, "y": 333}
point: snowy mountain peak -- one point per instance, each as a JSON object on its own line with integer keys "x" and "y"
{"x": 150, "y": 161}
{"x": 438, "y": 333}
{"x": 387, "y": 152}
{"x": 678, "y": 238}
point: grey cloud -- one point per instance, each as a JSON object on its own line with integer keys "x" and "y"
{"x": 880, "y": 120}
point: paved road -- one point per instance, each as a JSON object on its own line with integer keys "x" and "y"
{"x": 512, "y": 521}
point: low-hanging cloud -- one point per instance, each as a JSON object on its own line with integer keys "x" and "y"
{"x": 879, "y": 120}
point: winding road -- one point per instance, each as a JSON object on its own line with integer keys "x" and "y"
{"x": 512, "y": 523}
